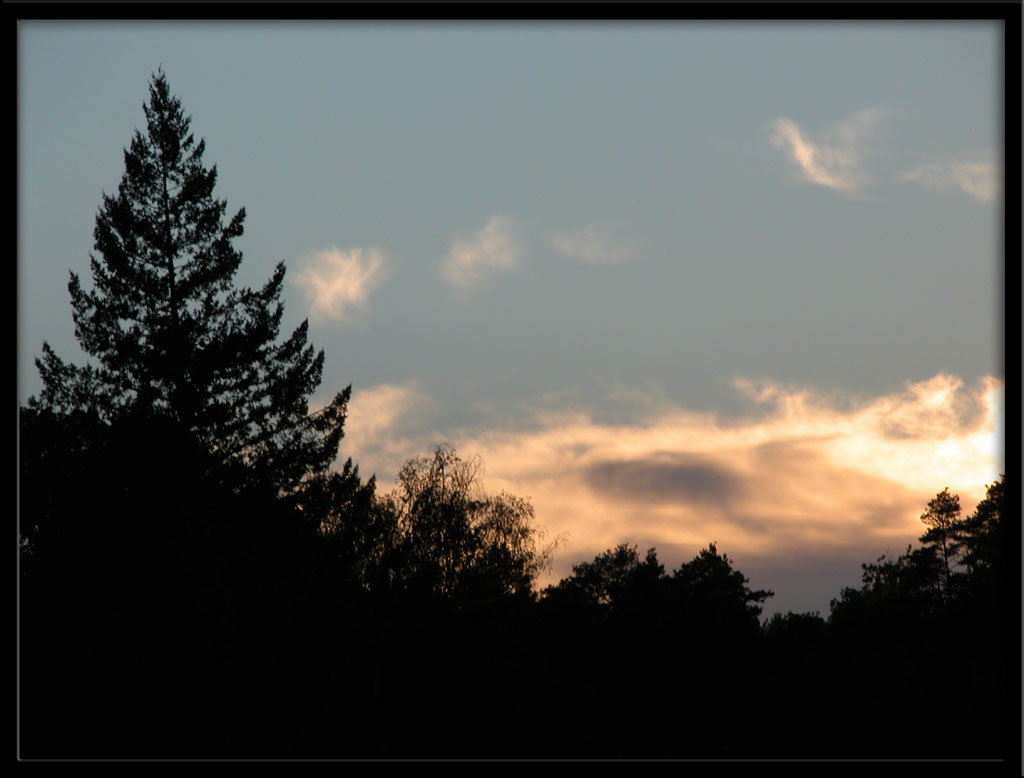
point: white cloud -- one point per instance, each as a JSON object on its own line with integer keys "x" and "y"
{"x": 834, "y": 160}
{"x": 589, "y": 245}
{"x": 978, "y": 178}
{"x": 336, "y": 280}
{"x": 492, "y": 248}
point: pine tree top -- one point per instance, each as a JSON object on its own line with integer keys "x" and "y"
{"x": 171, "y": 334}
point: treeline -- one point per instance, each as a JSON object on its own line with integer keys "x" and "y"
{"x": 198, "y": 581}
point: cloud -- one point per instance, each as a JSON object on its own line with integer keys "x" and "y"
{"x": 833, "y": 161}
{"x": 336, "y": 280}
{"x": 979, "y": 179}
{"x": 378, "y": 433}
{"x": 589, "y": 245}
{"x": 664, "y": 477}
{"x": 492, "y": 248}
{"x": 808, "y": 476}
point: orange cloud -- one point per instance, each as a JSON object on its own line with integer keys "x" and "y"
{"x": 810, "y": 477}
{"x": 373, "y": 427}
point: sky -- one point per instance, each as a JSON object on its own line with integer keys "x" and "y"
{"x": 675, "y": 283}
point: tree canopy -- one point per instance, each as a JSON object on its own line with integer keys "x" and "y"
{"x": 455, "y": 541}
{"x": 173, "y": 336}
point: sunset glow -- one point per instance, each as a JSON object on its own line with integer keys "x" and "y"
{"x": 806, "y": 475}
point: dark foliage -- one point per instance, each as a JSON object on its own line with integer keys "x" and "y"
{"x": 452, "y": 542}
{"x": 174, "y": 337}
{"x": 163, "y": 542}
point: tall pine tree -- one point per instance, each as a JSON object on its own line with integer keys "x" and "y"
{"x": 165, "y": 559}
{"x": 944, "y": 535}
{"x": 174, "y": 339}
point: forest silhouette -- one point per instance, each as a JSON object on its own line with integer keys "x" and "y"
{"x": 198, "y": 580}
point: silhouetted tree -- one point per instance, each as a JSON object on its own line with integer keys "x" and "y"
{"x": 705, "y": 591}
{"x": 982, "y": 534}
{"x": 716, "y": 594}
{"x": 456, "y": 542}
{"x": 800, "y": 629}
{"x": 895, "y": 593}
{"x": 173, "y": 336}
{"x": 356, "y": 533}
{"x": 609, "y": 580}
{"x": 179, "y": 555}
{"x": 919, "y": 628}
{"x": 944, "y": 533}
{"x": 983, "y": 623}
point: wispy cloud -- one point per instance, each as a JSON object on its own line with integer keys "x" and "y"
{"x": 590, "y": 245}
{"x": 336, "y": 280}
{"x": 978, "y": 178}
{"x": 378, "y": 432}
{"x": 834, "y": 159}
{"x": 492, "y": 248}
{"x": 807, "y": 476}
